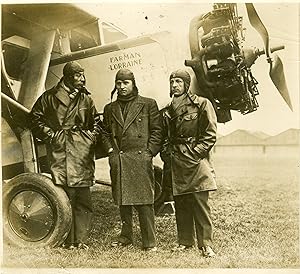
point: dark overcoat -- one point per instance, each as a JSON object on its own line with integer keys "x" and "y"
{"x": 189, "y": 135}
{"x": 135, "y": 141}
{"x": 69, "y": 129}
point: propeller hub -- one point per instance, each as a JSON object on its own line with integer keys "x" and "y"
{"x": 250, "y": 55}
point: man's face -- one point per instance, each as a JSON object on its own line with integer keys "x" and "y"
{"x": 177, "y": 86}
{"x": 124, "y": 87}
{"x": 78, "y": 80}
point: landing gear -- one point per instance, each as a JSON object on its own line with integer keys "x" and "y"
{"x": 36, "y": 213}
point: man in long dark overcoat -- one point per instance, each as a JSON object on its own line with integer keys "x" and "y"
{"x": 65, "y": 118}
{"x": 189, "y": 124}
{"x": 134, "y": 138}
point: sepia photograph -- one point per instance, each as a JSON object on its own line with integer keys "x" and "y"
{"x": 150, "y": 136}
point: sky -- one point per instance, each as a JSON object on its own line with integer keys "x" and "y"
{"x": 282, "y": 22}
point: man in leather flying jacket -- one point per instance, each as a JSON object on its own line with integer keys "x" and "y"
{"x": 189, "y": 124}
{"x": 65, "y": 118}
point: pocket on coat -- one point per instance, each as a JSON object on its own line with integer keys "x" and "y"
{"x": 57, "y": 141}
{"x": 188, "y": 151}
{"x": 81, "y": 137}
{"x": 190, "y": 116}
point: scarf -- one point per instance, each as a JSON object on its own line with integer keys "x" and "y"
{"x": 178, "y": 101}
{"x": 72, "y": 92}
{"x": 125, "y": 101}
{"x": 128, "y": 97}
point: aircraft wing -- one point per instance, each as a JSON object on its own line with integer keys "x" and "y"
{"x": 25, "y": 19}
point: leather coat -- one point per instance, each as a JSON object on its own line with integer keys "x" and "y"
{"x": 189, "y": 135}
{"x": 69, "y": 128}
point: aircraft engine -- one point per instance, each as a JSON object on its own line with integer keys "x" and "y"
{"x": 221, "y": 65}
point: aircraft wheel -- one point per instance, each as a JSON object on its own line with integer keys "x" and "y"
{"x": 36, "y": 213}
{"x": 163, "y": 202}
{"x": 158, "y": 183}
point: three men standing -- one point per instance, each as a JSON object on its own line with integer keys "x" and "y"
{"x": 65, "y": 118}
{"x": 134, "y": 130}
{"x": 190, "y": 125}
{"x": 133, "y": 138}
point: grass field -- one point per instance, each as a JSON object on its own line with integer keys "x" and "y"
{"x": 255, "y": 212}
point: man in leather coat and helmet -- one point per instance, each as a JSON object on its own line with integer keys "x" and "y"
{"x": 65, "y": 118}
{"x": 189, "y": 124}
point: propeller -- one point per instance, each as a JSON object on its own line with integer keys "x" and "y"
{"x": 278, "y": 78}
{"x": 276, "y": 67}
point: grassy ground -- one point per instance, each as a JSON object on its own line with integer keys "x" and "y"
{"x": 255, "y": 212}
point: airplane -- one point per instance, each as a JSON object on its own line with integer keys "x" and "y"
{"x": 38, "y": 39}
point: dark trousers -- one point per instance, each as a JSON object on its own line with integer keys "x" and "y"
{"x": 146, "y": 219}
{"x": 192, "y": 210}
{"x": 82, "y": 211}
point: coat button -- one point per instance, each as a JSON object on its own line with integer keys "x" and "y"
{"x": 181, "y": 135}
{"x": 140, "y": 120}
{"x": 140, "y": 135}
{"x": 121, "y": 152}
{"x": 140, "y": 152}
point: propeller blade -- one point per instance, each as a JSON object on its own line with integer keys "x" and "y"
{"x": 259, "y": 26}
{"x": 278, "y": 78}
{"x": 276, "y": 66}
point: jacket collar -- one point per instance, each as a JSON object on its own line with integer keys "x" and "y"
{"x": 117, "y": 113}
{"x": 181, "y": 109}
{"x": 133, "y": 112}
{"x": 62, "y": 94}
{"x": 135, "y": 108}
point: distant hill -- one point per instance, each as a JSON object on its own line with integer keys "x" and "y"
{"x": 245, "y": 137}
{"x": 239, "y": 137}
{"x": 288, "y": 137}
{"x": 260, "y": 134}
